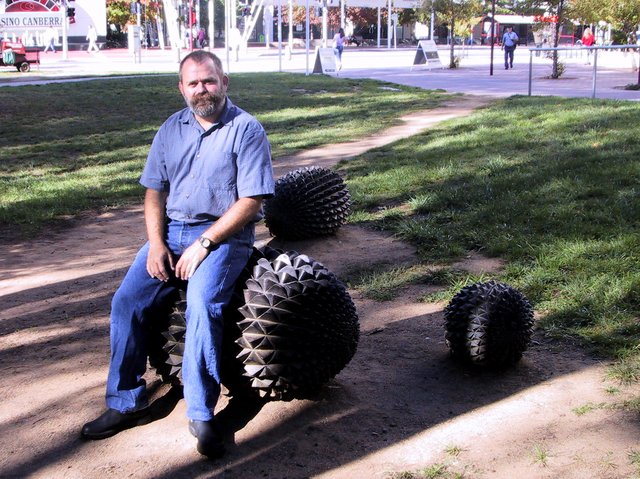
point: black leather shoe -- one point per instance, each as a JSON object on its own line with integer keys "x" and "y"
{"x": 210, "y": 442}
{"x": 112, "y": 422}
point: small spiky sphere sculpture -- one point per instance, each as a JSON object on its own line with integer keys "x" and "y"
{"x": 308, "y": 203}
{"x": 489, "y": 324}
{"x": 300, "y": 327}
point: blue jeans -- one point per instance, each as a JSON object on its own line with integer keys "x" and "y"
{"x": 508, "y": 55}
{"x": 140, "y": 299}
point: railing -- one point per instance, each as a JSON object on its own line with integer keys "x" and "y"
{"x": 587, "y": 49}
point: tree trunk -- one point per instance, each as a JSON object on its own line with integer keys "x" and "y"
{"x": 556, "y": 40}
{"x": 452, "y": 62}
{"x": 172, "y": 24}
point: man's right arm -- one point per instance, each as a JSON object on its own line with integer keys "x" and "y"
{"x": 160, "y": 257}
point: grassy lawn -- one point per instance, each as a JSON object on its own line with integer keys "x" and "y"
{"x": 550, "y": 185}
{"x": 72, "y": 147}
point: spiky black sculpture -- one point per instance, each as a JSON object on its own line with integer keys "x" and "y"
{"x": 175, "y": 333}
{"x": 166, "y": 348}
{"x": 166, "y": 343}
{"x": 289, "y": 328}
{"x": 308, "y": 203}
{"x": 300, "y": 327}
{"x": 489, "y": 324}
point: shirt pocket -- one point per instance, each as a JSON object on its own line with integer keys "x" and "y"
{"x": 219, "y": 172}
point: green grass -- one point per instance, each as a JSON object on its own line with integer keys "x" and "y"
{"x": 540, "y": 455}
{"x": 587, "y": 408}
{"x": 549, "y": 185}
{"x": 71, "y": 147}
{"x": 634, "y": 459}
{"x": 450, "y": 468}
{"x": 627, "y": 369}
{"x": 382, "y": 283}
{"x": 434, "y": 471}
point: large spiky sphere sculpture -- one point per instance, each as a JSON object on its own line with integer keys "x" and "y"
{"x": 489, "y": 324}
{"x": 289, "y": 328}
{"x": 307, "y": 203}
{"x": 170, "y": 326}
{"x": 174, "y": 335}
{"x": 300, "y": 327}
{"x": 166, "y": 341}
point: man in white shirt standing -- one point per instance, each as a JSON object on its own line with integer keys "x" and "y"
{"x": 509, "y": 42}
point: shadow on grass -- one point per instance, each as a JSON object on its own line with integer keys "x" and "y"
{"x": 549, "y": 185}
{"x": 83, "y": 145}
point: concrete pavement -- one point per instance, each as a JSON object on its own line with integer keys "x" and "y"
{"x": 615, "y": 69}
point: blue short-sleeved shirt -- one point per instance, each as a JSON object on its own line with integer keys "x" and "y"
{"x": 205, "y": 172}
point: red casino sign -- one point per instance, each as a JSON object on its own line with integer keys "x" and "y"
{"x": 29, "y": 6}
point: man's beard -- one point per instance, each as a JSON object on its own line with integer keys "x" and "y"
{"x": 206, "y": 105}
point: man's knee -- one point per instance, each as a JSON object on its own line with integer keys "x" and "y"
{"x": 122, "y": 297}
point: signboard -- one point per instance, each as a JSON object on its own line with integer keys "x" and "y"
{"x": 21, "y": 21}
{"x": 134, "y": 42}
{"x": 29, "y": 15}
{"x": 325, "y": 61}
{"x": 427, "y": 54}
{"x": 29, "y": 20}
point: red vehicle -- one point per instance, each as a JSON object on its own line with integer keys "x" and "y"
{"x": 15, "y": 54}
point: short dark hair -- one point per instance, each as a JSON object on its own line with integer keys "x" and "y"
{"x": 201, "y": 56}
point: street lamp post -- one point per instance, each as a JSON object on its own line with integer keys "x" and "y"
{"x": 389, "y": 26}
{"x": 493, "y": 32}
{"x": 65, "y": 32}
{"x": 306, "y": 39}
{"x": 212, "y": 36}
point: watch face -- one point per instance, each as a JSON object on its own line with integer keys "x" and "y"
{"x": 205, "y": 242}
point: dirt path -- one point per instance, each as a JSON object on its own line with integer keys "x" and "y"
{"x": 400, "y": 405}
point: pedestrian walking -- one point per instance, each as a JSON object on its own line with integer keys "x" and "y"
{"x": 538, "y": 39}
{"x": 338, "y": 47}
{"x": 92, "y": 36}
{"x": 201, "y": 39}
{"x": 50, "y": 37}
{"x": 588, "y": 39}
{"x": 509, "y": 42}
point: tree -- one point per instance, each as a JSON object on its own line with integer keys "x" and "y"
{"x": 557, "y": 9}
{"x": 585, "y": 11}
{"x": 452, "y": 12}
{"x": 119, "y": 12}
{"x": 624, "y": 16}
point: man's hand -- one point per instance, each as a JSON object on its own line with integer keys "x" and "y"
{"x": 158, "y": 259}
{"x": 190, "y": 260}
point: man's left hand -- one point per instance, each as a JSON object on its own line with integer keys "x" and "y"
{"x": 190, "y": 260}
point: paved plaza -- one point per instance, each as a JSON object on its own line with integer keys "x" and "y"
{"x": 615, "y": 69}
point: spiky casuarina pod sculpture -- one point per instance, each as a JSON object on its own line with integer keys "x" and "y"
{"x": 175, "y": 333}
{"x": 300, "y": 327}
{"x": 289, "y": 328}
{"x": 168, "y": 334}
{"x": 489, "y": 324}
{"x": 308, "y": 203}
{"x": 166, "y": 343}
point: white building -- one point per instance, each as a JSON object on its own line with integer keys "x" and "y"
{"x": 28, "y": 20}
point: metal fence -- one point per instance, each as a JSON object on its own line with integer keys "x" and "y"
{"x": 573, "y": 51}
